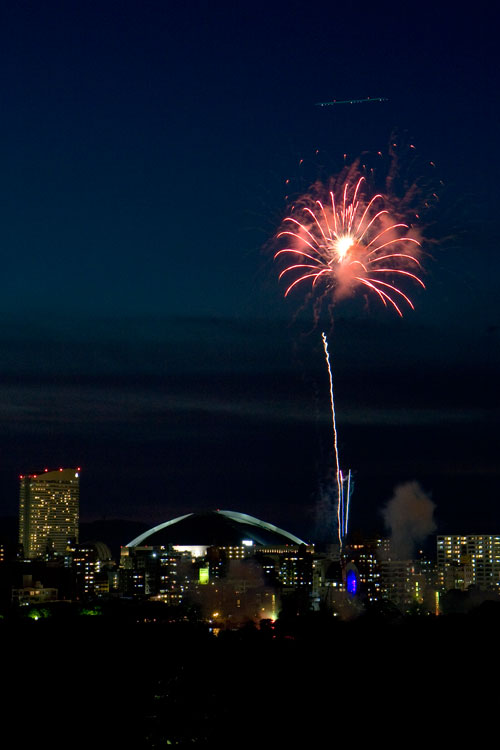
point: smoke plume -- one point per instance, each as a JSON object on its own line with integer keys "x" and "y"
{"x": 325, "y": 512}
{"x": 409, "y": 516}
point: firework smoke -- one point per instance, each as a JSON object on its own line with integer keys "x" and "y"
{"x": 325, "y": 513}
{"x": 409, "y": 516}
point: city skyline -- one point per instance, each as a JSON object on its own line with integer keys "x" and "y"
{"x": 151, "y": 153}
{"x": 144, "y": 336}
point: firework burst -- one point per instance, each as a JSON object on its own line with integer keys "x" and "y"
{"x": 343, "y": 239}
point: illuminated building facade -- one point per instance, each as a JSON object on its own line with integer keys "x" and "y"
{"x": 328, "y": 585}
{"x": 48, "y": 511}
{"x": 292, "y": 565}
{"x": 365, "y": 554}
{"x": 470, "y": 560}
{"x": 219, "y": 557}
{"x": 90, "y": 563}
{"x": 404, "y": 583}
{"x": 158, "y": 573}
{"x": 33, "y": 593}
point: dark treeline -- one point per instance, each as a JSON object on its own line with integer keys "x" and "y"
{"x": 110, "y": 680}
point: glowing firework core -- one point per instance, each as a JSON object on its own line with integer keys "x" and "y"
{"x": 350, "y": 241}
{"x": 342, "y": 245}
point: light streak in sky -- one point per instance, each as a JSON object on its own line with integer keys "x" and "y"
{"x": 343, "y": 496}
{"x": 344, "y": 240}
{"x": 348, "y": 500}
{"x": 352, "y": 101}
{"x": 338, "y": 473}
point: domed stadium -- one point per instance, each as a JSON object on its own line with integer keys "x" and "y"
{"x": 216, "y": 528}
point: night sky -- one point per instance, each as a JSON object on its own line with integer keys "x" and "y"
{"x": 144, "y": 336}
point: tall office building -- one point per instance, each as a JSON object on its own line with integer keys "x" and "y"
{"x": 49, "y": 511}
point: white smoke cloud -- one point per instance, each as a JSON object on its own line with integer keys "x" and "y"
{"x": 409, "y": 516}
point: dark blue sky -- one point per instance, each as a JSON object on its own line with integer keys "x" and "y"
{"x": 144, "y": 151}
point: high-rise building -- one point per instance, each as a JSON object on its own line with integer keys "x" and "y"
{"x": 90, "y": 563}
{"x": 366, "y": 555}
{"x": 405, "y": 583}
{"x": 48, "y": 511}
{"x": 472, "y": 559}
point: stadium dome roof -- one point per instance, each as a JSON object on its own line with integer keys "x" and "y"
{"x": 215, "y": 528}
{"x": 102, "y": 549}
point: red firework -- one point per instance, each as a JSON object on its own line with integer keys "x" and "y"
{"x": 350, "y": 240}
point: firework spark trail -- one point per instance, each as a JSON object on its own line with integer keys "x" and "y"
{"x": 341, "y": 504}
{"x": 343, "y": 498}
{"x": 335, "y": 442}
{"x": 349, "y": 491}
{"x": 343, "y": 240}
{"x": 348, "y": 241}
